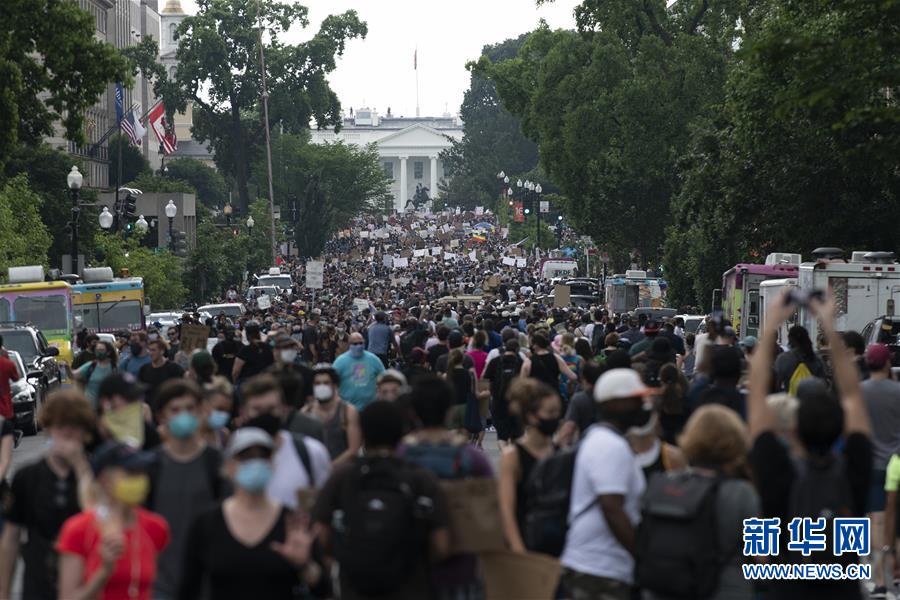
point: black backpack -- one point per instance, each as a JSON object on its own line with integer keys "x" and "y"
{"x": 677, "y": 541}
{"x": 549, "y": 491}
{"x": 380, "y": 534}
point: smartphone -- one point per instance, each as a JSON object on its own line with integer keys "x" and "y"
{"x": 804, "y": 297}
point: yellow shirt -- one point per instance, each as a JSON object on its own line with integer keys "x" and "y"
{"x": 892, "y": 480}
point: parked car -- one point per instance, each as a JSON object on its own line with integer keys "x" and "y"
{"x": 27, "y": 397}
{"x": 37, "y": 354}
{"x": 691, "y": 322}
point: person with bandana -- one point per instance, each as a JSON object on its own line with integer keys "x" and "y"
{"x": 250, "y": 546}
{"x": 186, "y": 479}
{"x": 607, "y": 486}
{"x": 539, "y": 408}
{"x": 358, "y": 370}
{"x": 110, "y": 549}
{"x": 340, "y": 419}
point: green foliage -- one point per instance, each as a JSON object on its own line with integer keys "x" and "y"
{"x": 161, "y": 271}
{"x": 219, "y": 71}
{"x": 330, "y": 183}
{"x": 25, "y": 238}
{"x": 133, "y": 162}
{"x": 611, "y": 107}
{"x": 492, "y": 140}
{"x": 52, "y": 68}
{"x": 209, "y": 183}
{"x": 151, "y": 182}
{"x": 47, "y": 168}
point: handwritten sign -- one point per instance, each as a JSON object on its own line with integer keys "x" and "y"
{"x": 193, "y": 337}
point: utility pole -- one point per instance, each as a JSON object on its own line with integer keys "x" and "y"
{"x": 265, "y": 99}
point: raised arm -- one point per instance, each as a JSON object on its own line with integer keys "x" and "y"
{"x": 759, "y": 418}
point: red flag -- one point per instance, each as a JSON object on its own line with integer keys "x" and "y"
{"x": 165, "y": 133}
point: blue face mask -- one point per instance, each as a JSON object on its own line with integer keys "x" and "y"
{"x": 356, "y": 350}
{"x": 254, "y": 475}
{"x": 218, "y": 419}
{"x": 183, "y": 425}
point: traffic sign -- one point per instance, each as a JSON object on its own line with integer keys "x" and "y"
{"x": 604, "y": 257}
{"x": 545, "y": 206}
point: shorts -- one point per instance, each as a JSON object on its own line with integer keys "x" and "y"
{"x": 508, "y": 428}
{"x": 877, "y": 495}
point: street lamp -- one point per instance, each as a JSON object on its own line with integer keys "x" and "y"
{"x": 141, "y": 225}
{"x": 537, "y": 200}
{"x": 171, "y": 211}
{"x": 228, "y": 210}
{"x": 250, "y": 224}
{"x": 74, "y": 179}
{"x": 105, "y": 218}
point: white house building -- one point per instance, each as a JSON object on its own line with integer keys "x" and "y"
{"x": 409, "y": 147}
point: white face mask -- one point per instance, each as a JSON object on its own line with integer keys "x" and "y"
{"x": 288, "y": 356}
{"x": 323, "y": 392}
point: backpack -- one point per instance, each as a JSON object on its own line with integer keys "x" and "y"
{"x": 303, "y": 453}
{"x": 677, "y": 541}
{"x": 549, "y": 492}
{"x": 800, "y": 373}
{"x": 379, "y": 535}
{"x": 820, "y": 489}
{"x": 444, "y": 461}
{"x": 507, "y": 372}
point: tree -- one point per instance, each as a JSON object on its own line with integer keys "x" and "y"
{"x": 492, "y": 140}
{"x": 209, "y": 183}
{"x": 611, "y": 107}
{"x": 219, "y": 71}
{"x": 330, "y": 184}
{"x": 25, "y": 238}
{"x": 52, "y": 68}
{"x": 151, "y": 182}
{"x": 161, "y": 271}
{"x": 133, "y": 162}
{"x": 218, "y": 261}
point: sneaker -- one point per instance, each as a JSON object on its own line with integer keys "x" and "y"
{"x": 879, "y": 593}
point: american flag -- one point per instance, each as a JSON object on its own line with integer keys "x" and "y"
{"x": 133, "y": 128}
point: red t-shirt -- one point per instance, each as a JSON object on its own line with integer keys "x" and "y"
{"x": 144, "y": 540}
{"x": 8, "y": 374}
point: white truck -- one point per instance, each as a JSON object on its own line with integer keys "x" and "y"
{"x": 864, "y": 288}
{"x": 768, "y": 291}
{"x": 275, "y": 278}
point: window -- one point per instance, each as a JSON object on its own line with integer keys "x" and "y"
{"x": 172, "y": 28}
{"x": 389, "y": 169}
{"x": 47, "y": 313}
{"x": 172, "y": 72}
{"x": 418, "y": 169}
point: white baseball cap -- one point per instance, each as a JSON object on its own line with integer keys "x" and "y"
{"x": 619, "y": 383}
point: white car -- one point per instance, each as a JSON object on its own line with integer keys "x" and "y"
{"x": 232, "y": 310}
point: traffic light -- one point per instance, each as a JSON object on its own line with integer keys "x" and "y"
{"x": 129, "y": 206}
{"x": 179, "y": 243}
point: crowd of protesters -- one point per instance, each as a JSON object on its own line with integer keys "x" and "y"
{"x": 307, "y": 454}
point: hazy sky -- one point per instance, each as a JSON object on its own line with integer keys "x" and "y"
{"x": 378, "y": 71}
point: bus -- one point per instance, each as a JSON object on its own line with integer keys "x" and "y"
{"x": 46, "y": 305}
{"x": 740, "y": 290}
{"x": 106, "y": 304}
{"x": 634, "y": 289}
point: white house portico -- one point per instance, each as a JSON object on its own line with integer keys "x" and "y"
{"x": 409, "y": 148}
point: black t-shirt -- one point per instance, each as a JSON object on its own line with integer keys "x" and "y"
{"x": 224, "y": 354}
{"x": 41, "y": 504}
{"x": 231, "y": 569}
{"x": 500, "y": 372}
{"x": 440, "y": 366}
{"x": 153, "y": 377}
{"x": 435, "y": 352}
{"x": 257, "y": 358}
{"x": 310, "y": 338}
{"x": 774, "y": 473}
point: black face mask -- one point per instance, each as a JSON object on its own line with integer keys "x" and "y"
{"x": 625, "y": 420}
{"x": 268, "y": 422}
{"x": 135, "y": 349}
{"x": 548, "y": 426}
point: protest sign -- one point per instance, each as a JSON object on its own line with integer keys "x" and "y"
{"x": 364, "y": 234}
{"x": 509, "y": 261}
{"x": 194, "y": 337}
{"x": 264, "y": 302}
{"x": 515, "y": 251}
{"x": 420, "y": 253}
{"x": 475, "y": 524}
{"x": 479, "y": 210}
{"x": 437, "y": 250}
{"x": 521, "y": 263}
{"x": 387, "y": 260}
{"x": 449, "y": 256}
{"x": 454, "y": 243}
{"x": 401, "y": 263}
{"x": 561, "y": 295}
{"x": 473, "y": 256}
{"x": 360, "y": 304}
{"x": 315, "y": 275}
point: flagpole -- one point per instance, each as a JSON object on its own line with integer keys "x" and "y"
{"x": 265, "y": 99}
{"x": 416, "y": 69}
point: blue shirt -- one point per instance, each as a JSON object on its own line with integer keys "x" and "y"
{"x": 379, "y": 338}
{"x": 358, "y": 377}
{"x": 133, "y": 364}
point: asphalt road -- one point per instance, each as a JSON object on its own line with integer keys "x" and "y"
{"x": 30, "y": 449}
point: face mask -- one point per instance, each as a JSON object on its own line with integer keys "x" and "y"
{"x": 288, "y": 356}
{"x": 628, "y": 419}
{"x": 254, "y": 475}
{"x": 548, "y": 426}
{"x": 101, "y": 354}
{"x": 183, "y": 425}
{"x": 135, "y": 349}
{"x": 356, "y": 350}
{"x": 218, "y": 419}
{"x": 323, "y": 392}
{"x": 267, "y": 422}
{"x": 131, "y": 490}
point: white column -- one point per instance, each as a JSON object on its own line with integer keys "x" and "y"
{"x": 434, "y": 186}
{"x": 403, "y": 189}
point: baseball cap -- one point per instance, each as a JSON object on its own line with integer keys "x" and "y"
{"x": 877, "y": 355}
{"x": 455, "y": 339}
{"x": 749, "y": 342}
{"x": 118, "y": 454}
{"x": 619, "y": 383}
{"x": 248, "y": 437}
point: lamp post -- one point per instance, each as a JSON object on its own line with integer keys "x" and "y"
{"x": 141, "y": 225}
{"x": 537, "y": 200}
{"x": 171, "y": 211}
{"x": 74, "y": 179}
{"x": 105, "y": 218}
{"x": 228, "y": 210}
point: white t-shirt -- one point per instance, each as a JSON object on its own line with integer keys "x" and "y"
{"x": 289, "y": 474}
{"x": 605, "y": 465}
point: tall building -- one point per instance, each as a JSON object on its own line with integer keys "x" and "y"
{"x": 409, "y": 147}
{"x": 121, "y": 23}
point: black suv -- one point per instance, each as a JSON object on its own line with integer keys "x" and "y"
{"x": 38, "y": 356}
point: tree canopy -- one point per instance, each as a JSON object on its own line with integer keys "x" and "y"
{"x": 25, "y": 238}
{"x": 210, "y": 185}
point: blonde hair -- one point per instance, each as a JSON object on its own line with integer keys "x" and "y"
{"x": 784, "y": 407}
{"x": 714, "y": 436}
